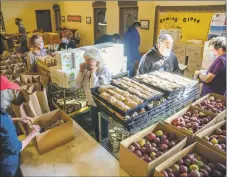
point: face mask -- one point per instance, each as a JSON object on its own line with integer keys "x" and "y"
{"x": 16, "y": 23}
{"x": 41, "y": 45}
{"x": 64, "y": 40}
{"x": 166, "y": 52}
{"x": 212, "y": 55}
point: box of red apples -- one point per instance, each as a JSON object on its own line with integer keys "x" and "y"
{"x": 214, "y": 103}
{"x": 214, "y": 138}
{"x": 195, "y": 160}
{"x": 190, "y": 121}
{"x": 142, "y": 152}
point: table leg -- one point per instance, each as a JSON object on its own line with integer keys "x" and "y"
{"x": 100, "y": 127}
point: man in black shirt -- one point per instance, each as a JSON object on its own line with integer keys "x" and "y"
{"x": 160, "y": 57}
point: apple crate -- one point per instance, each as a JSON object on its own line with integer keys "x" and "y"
{"x": 221, "y": 116}
{"x": 197, "y": 148}
{"x": 190, "y": 137}
{"x": 134, "y": 165}
{"x": 208, "y": 132}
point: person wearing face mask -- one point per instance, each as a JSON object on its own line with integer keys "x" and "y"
{"x": 37, "y": 50}
{"x": 214, "y": 81}
{"x": 93, "y": 73}
{"x": 131, "y": 47}
{"x": 10, "y": 145}
{"x": 22, "y": 35}
{"x": 160, "y": 57}
{"x": 66, "y": 42}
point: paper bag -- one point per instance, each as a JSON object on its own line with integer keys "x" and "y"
{"x": 18, "y": 97}
{"x": 42, "y": 97}
{"x": 32, "y": 106}
{"x": 30, "y": 109}
{"x": 19, "y": 110}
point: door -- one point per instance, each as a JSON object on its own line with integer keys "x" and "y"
{"x": 127, "y": 17}
{"x": 43, "y": 20}
{"x": 100, "y": 25}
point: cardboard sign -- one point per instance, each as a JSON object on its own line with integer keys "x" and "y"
{"x": 74, "y": 18}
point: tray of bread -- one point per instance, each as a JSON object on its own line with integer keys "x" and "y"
{"x": 161, "y": 84}
{"x": 142, "y": 91}
{"x": 174, "y": 78}
{"x": 121, "y": 101}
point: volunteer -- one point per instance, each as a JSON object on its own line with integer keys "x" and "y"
{"x": 66, "y": 42}
{"x": 93, "y": 73}
{"x": 108, "y": 38}
{"x": 37, "y": 50}
{"x": 131, "y": 47}
{"x": 215, "y": 79}
{"x": 160, "y": 57}
{"x": 10, "y": 145}
{"x": 22, "y": 35}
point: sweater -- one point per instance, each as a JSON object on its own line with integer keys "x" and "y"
{"x": 10, "y": 146}
{"x": 88, "y": 80}
{"x": 153, "y": 60}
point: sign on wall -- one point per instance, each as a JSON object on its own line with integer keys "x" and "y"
{"x": 74, "y": 18}
{"x": 194, "y": 25}
{"x": 194, "y": 21}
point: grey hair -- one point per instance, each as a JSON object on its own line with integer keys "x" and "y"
{"x": 218, "y": 42}
{"x": 6, "y": 99}
{"x": 94, "y": 54}
{"x": 164, "y": 37}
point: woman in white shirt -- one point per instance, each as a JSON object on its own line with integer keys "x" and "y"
{"x": 93, "y": 73}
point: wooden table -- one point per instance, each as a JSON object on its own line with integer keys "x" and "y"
{"x": 81, "y": 157}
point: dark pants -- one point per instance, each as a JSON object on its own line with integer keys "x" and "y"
{"x": 23, "y": 45}
{"x": 18, "y": 173}
{"x": 95, "y": 123}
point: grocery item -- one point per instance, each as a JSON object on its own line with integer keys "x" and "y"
{"x": 154, "y": 145}
{"x": 195, "y": 165}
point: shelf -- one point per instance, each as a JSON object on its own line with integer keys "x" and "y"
{"x": 106, "y": 144}
{"x": 80, "y": 111}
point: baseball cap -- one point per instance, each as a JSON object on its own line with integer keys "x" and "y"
{"x": 6, "y": 84}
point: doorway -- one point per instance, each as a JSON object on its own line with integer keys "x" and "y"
{"x": 128, "y": 15}
{"x": 43, "y": 20}
{"x": 100, "y": 25}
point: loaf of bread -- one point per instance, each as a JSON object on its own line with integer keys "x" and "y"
{"x": 105, "y": 95}
{"x": 104, "y": 88}
{"x": 130, "y": 103}
{"x": 120, "y": 105}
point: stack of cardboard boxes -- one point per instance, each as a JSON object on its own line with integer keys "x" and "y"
{"x": 189, "y": 54}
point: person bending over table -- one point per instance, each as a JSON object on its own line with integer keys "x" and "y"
{"x": 215, "y": 79}
{"x": 10, "y": 145}
{"x": 93, "y": 73}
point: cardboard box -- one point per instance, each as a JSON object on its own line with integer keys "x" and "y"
{"x": 221, "y": 116}
{"x": 203, "y": 151}
{"x": 64, "y": 59}
{"x": 194, "y": 63}
{"x": 181, "y": 58}
{"x": 135, "y": 166}
{"x": 46, "y": 61}
{"x": 188, "y": 74}
{"x": 57, "y": 136}
{"x": 63, "y": 78}
{"x": 54, "y": 38}
{"x": 176, "y": 34}
{"x": 190, "y": 137}
{"x": 194, "y": 50}
{"x": 180, "y": 48}
{"x": 208, "y": 132}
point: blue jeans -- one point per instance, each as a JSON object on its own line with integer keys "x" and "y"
{"x": 95, "y": 123}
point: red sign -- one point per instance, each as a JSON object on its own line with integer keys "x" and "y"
{"x": 74, "y": 18}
